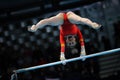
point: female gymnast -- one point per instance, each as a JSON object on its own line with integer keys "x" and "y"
{"x": 70, "y": 34}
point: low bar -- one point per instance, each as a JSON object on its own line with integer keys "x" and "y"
{"x": 68, "y": 60}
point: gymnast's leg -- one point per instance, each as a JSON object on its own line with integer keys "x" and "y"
{"x": 53, "y": 21}
{"x": 75, "y": 19}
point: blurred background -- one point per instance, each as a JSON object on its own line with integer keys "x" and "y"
{"x": 20, "y": 48}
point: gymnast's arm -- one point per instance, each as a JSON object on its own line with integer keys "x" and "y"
{"x": 83, "y": 52}
{"x": 53, "y": 21}
{"x": 75, "y": 19}
{"x": 62, "y": 44}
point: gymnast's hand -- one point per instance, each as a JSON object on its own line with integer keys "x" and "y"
{"x": 62, "y": 58}
{"x": 32, "y": 29}
{"x": 82, "y": 54}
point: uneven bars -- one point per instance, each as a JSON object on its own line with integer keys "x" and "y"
{"x": 68, "y": 60}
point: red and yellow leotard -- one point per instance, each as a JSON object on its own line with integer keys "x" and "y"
{"x": 69, "y": 29}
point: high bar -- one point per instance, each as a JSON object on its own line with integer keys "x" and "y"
{"x": 68, "y": 60}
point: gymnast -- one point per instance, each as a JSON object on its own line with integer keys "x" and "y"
{"x": 70, "y": 34}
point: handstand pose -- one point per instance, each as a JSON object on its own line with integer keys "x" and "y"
{"x": 68, "y": 30}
